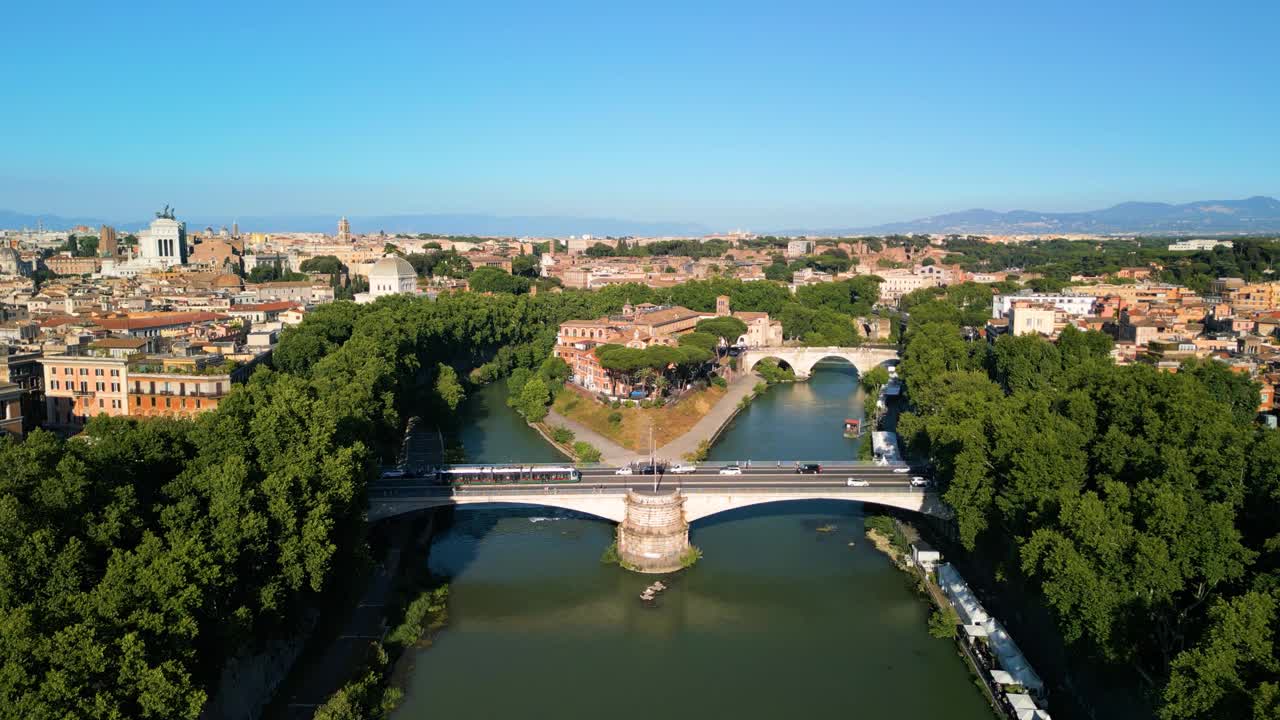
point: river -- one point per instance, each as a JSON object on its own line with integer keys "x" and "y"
{"x": 778, "y": 619}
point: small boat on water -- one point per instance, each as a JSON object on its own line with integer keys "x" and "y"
{"x": 852, "y": 428}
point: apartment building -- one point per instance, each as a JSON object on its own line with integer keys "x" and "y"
{"x": 77, "y": 388}
{"x": 1027, "y": 317}
{"x": 175, "y": 387}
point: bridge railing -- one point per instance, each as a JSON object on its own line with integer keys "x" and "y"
{"x": 445, "y": 492}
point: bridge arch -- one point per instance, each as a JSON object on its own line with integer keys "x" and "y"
{"x": 803, "y": 359}
{"x": 700, "y": 506}
{"x": 606, "y": 506}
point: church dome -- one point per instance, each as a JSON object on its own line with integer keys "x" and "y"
{"x": 393, "y": 266}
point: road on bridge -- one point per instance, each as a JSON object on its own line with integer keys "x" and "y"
{"x": 765, "y": 476}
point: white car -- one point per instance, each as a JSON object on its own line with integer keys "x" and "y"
{"x": 730, "y": 470}
{"x": 683, "y": 469}
{"x": 394, "y": 473}
{"x": 622, "y": 471}
{"x": 853, "y": 482}
{"x": 902, "y": 470}
{"x": 917, "y": 481}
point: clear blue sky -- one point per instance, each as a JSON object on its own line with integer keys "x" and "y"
{"x": 775, "y": 114}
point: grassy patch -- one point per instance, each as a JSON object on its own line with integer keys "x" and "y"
{"x": 690, "y": 557}
{"x": 631, "y": 430}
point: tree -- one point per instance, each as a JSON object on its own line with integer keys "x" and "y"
{"x": 325, "y": 264}
{"x": 525, "y": 266}
{"x": 874, "y": 379}
{"x": 488, "y": 279}
{"x": 1223, "y": 676}
{"x": 448, "y": 388}
{"x": 726, "y": 328}
{"x": 534, "y": 399}
{"x": 273, "y": 272}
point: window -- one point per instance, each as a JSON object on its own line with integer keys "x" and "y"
{"x": 153, "y": 401}
{"x": 54, "y": 384}
{"x": 115, "y": 373}
{"x": 138, "y": 401}
{"x": 167, "y": 402}
{"x": 97, "y": 372}
{"x": 84, "y": 371}
{"x": 97, "y": 386}
{"x": 66, "y": 371}
{"x": 84, "y": 386}
{"x": 99, "y": 404}
{"x": 115, "y": 387}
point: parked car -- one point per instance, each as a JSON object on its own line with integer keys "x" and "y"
{"x": 917, "y": 481}
{"x": 730, "y": 470}
{"x": 809, "y": 468}
{"x": 902, "y": 470}
{"x": 684, "y": 469}
{"x": 853, "y": 482}
{"x": 623, "y": 471}
{"x": 394, "y": 473}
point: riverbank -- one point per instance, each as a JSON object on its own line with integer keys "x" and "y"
{"x": 341, "y": 653}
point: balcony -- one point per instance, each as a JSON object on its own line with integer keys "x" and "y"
{"x": 174, "y": 393}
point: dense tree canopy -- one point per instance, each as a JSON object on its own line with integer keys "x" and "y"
{"x": 137, "y": 558}
{"x": 1128, "y": 497}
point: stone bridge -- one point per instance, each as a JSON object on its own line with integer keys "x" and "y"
{"x": 802, "y": 359}
{"x": 653, "y": 530}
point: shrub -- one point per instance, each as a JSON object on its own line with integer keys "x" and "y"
{"x": 615, "y": 404}
{"x": 691, "y": 556}
{"x": 586, "y": 452}
{"x": 700, "y": 454}
{"x": 562, "y": 434}
{"x": 943, "y": 622}
{"x": 759, "y": 388}
{"x": 628, "y": 403}
{"x": 646, "y": 404}
{"x": 615, "y": 418}
{"x": 719, "y": 382}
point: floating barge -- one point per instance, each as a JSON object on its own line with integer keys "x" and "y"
{"x": 852, "y": 428}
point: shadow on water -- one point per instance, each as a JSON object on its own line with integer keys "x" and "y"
{"x": 477, "y": 522}
{"x": 782, "y": 508}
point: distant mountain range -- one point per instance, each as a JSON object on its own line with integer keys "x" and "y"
{"x": 1253, "y": 215}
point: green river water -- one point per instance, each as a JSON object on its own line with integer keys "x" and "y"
{"x": 778, "y": 619}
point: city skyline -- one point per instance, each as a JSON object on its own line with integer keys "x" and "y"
{"x": 725, "y": 115}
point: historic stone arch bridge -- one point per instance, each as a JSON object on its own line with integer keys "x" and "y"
{"x": 802, "y": 359}
{"x": 653, "y": 526}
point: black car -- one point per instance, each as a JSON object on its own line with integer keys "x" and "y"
{"x": 809, "y": 469}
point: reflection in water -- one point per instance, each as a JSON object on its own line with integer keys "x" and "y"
{"x": 777, "y": 620}
{"x": 798, "y": 421}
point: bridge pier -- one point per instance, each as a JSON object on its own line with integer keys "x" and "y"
{"x": 654, "y": 534}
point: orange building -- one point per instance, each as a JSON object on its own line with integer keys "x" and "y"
{"x": 175, "y": 393}
{"x": 77, "y": 388}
